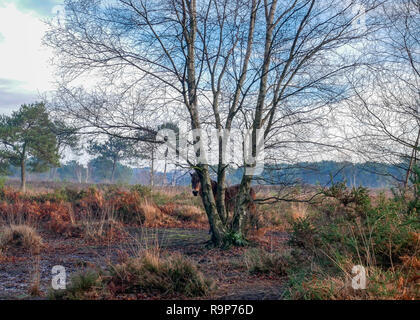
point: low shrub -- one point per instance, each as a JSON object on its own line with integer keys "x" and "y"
{"x": 152, "y": 273}
{"x": 259, "y": 261}
{"x": 188, "y": 213}
{"x": 161, "y": 198}
{"x": 100, "y": 230}
{"x": 90, "y": 203}
{"x": 151, "y": 212}
{"x": 414, "y": 204}
{"x": 128, "y": 206}
{"x": 142, "y": 191}
{"x": 83, "y": 286}
{"x": 379, "y": 236}
{"x": 20, "y": 236}
{"x": 400, "y": 283}
{"x": 9, "y": 194}
{"x": 332, "y": 239}
{"x": 19, "y": 211}
{"x": 302, "y": 233}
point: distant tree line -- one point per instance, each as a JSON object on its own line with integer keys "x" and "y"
{"x": 99, "y": 170}
{"x": 367, "y": 174}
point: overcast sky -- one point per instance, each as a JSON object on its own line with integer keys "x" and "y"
{"x": 25, "y": 71}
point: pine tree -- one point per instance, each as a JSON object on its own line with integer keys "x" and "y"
{"x": 27, "y": 140}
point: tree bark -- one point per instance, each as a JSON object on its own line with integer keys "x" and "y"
{"x": 114, "y": 164}
{"x": 217, "y": 228}
{"x": 165, "y": 182}
{"x": 54, "y": 173}
{"x": 243, "y": 198}
{"x": 78, "y": 172}
{"x": 413, "y": 159}
{"x": 152, "y": 169}
{"x": 22, "y": 175}
{"x": 87, "y": 173}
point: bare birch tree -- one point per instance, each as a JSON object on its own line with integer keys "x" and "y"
{"x": 227, "y": 64}
{"x": 386, "y": 95}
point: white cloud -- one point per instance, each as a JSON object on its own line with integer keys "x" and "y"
{"x": 22, "y": 57}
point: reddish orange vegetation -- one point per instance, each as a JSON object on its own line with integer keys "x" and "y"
{"x": 11, "y": 259}
{"x": 185, "y": 216}
{"x": 91, "y": 203}
{"x": 109, "y": 210}
{"x": 410, "y": 281}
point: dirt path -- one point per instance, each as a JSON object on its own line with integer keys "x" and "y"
{"x": 224, "y": 266}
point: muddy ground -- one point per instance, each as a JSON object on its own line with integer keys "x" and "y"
{"x": 225, "y": 267}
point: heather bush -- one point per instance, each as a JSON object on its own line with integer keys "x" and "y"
{"x": 20, "y": 236}
{"x": 414, "y": 204}
{"x": 149, "y": 273}
{"x": 188, "y": 213}
{"x": 90, "y": 203}
{"x": 378, "y": 236}
{"x": 153, "y": 273}
{"x": 143, "y": 191}
{"x": 259, "y": 261}
{"x": 82, "y": 286}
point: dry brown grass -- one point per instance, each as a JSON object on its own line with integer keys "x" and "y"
{"x": 154, "y": 216}
{"x": 399, "y": 284}
{"x": 151, "y": 211}
{"x": 35, "y": 285}
{"x": 100, "y": 226}
{"x": 299, "y": 210}
{"x": 185, "y": 215}
{"x": 259, "y": 261}
{"x": 189, "y": 213}
{"x": 20, "y": 236}
{"x": 156, "y": 273}
{"x": 109, "y": 229}
{"x": 149, "y": 273}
